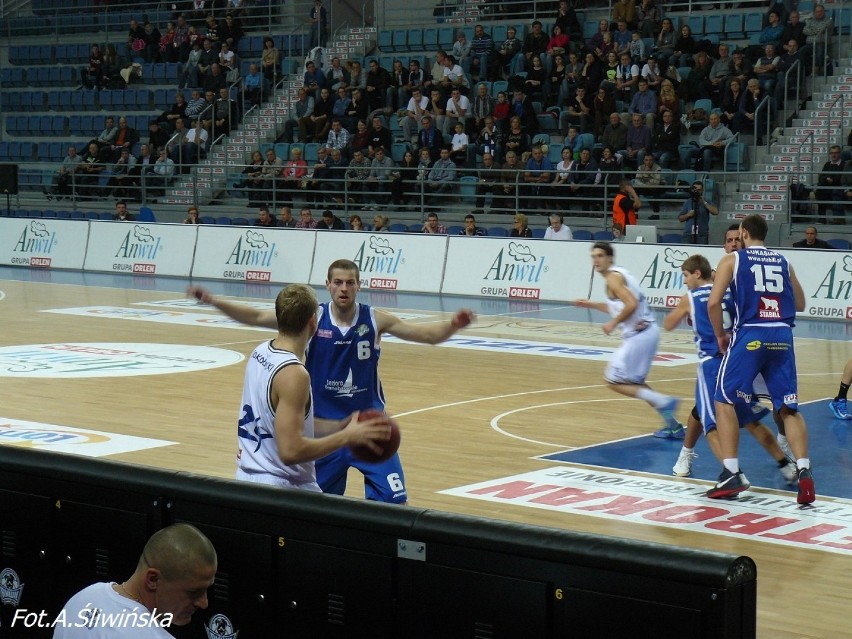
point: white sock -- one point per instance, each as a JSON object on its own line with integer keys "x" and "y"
{"x": 687, "y": 450}
{"x": 782, "y": 439}
{"x": 655, "y": 399}
{"x": 804, "y": 462}
{"x": 732, "y": 465}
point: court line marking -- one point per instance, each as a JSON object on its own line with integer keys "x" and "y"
{"x": 2, "y": 295}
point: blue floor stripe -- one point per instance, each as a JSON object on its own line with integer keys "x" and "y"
{"x": 830, "y": 446}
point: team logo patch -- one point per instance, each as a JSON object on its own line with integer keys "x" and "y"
{"x": 324, "y": 332}
{"x": 10, "y": 587}
{"x": 362, "y": 330}
{"x": 753, "y": 345}
{"x": 220, "y": 627}
{"x": 768, "y": 308}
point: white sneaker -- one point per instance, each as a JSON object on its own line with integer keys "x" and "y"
{"x": 784, "y": 444}
{"x": 683, "y": 465}
{"x": 789, "y": 472}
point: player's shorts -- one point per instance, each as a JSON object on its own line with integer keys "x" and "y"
{"x": 705, "y": 401}
{"x": 759, "y": 350}
{"x": 383, "y": 481}
{"x": 631, "y": 362}
{"x": 275, "y": 480}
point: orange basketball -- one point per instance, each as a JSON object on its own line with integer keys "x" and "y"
{"x": 390, "y": 446}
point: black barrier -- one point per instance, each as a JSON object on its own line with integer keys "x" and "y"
{"x": 294, "y": 564}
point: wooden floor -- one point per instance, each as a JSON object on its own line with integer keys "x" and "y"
{"x": 445, "y": 400}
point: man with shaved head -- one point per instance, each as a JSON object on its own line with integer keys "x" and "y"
{"x": 177, "y": 566}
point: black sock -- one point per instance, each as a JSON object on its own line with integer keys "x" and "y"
{"x": 841, "y": 394}
{"x": 782, "y": 462}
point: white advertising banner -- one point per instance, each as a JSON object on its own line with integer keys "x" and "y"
{"x": 254, "y": 254}
{"x": 391, "y": 261}
{"x": 43, "y": 243}
{"x": 518, "y": 268}
{"x": 826, "y": 279}
{"x": 141, "y": 249}
{"x": 657, "y": 269}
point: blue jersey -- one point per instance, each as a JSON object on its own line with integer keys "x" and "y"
{"x": 761, "y": 288}
{"x": 344, "y": 365}
{"x": 705, "y": 336}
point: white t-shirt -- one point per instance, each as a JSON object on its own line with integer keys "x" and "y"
{"x": 459, "y": 141}
{"x": 564, "y": 233}
{"x": 412, "y": 105}
{"x": 464, "y": 103}
{"x": 99, "y": 612}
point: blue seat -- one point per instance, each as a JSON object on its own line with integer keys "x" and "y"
{"x": 53, "y": 76}
{"x": 696, "y": 23}
{"x": 87, "y": 126}
{"x": 498, "y": 231}
{"x": 398, "y": 228}
{"x": 398, "y": 150}
{"x": 4, "y": 151}
{"x": 538, "y": 233}
{"x": 454, "y": 230}
{"x": 498, "y": 34}
{"x": 604, "y": 236}
{"x": 582, "y": 234}
{"x": 446, "y": 38}
{"x": 282, "y": 150}
{"x": 737, "y": 157}
{"x": 671, "y": 238}
{"x": 752, "y": 23}
{"x": 399, "y": 40}
{"x": 239, "y": 221}
{"x": 66, "y": 76}
{"x": 839, "y": 243}
{"x": 498, "y": 86}
{"x": 430, "y": 38}
{"x": 223, "y": 220}
{"x": 311, "y": 153}
{"x": 56, "y": 152}
{"x": 146, "y": 215}
{"x": 65, "y": 100}
{"x": 385, "y": 41}
{"x": 158, "y": 73}
{"x": 58, "y": 124}
{"x": 89, "y": 99}
{"x": 415, "y": 39}
{"x": 467, "y": 189}
{"x": 173, "y": 72}
{"x": 27, "y": 151}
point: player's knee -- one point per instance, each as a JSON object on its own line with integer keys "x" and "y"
{"x": 786, "y": 411}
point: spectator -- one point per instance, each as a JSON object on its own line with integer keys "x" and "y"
{"x": 306, "y": 219}
{"x": 480, "y": 48}
{"x": 330, "y": 222}
{"x": 457, "y": 110}
{"x": 795, "y": 29}
{"x": 192, "y": 216}
{"x": 522, "y": 108}
{"x": 557, "y": 230}
{"x": 432, "y": 225}
{"x": 695, "y": 214}
{"x": 731, "y": 103}
{"x": 381, "y": 174}
{"x": 379, "y": 137}
{"x": 506, "y": 54}
{"x": 106, "y": 139}
{"x": 264, "y": 219}
{"x": 358, "y": 109}
{"x": 121, "y": 214}
{"x": 520, "y": 226}
{"x": 355, "y": 223}
{"x": 442, "y": 175}
{"x": 175, "y": 112}
{"x": 338, "y": 138}
{"x": 584, "y": 179}
{"x": 470, "y": 228}
{"x": 120, "y": 177}
{"x": 337, "y": 167}
{"x": 648, "y": 19}
{"x": 437, "y": 111}
{"x": 292, "y": 175}
{"x": 668, "y": 100}
{"x": 88, "y": 174}
{"x": 666, "y": 140}
{"x": 649, "y": 181}
{"x": 381, "y": 224}
{"x": 271, "y": 174}
{"x": 684, "y": 48}
{"x": 403, "y": 179}
{"x": 771, "y": 33}
{"x": 785, "y": 63}
{"x": 189, "y": 148}
{"x": 253, "y": 180}
{"x": 615, "y": 135}
{"x": 749, "y": 119}
{"x": 357, "y": 176}
{"x": 253, "y": 86}
{"x": 603, "y": 106}
{"x": 831, "y": 194}
{"x": 538, "y": 174}
{"x": 316, "y": 181}
{"x": 156, "y": 136}
{"x": 161, "y": 175}
{"x": 766, "y": 69}
{"x": 361, "y": 139}
{"x": 459, "y": 146}
{"x": 91, "y": 76}
{"x": 461, "y": 50}
{"x": 811, "y": 241}
{"x": 270, "y": 61}
{"x": 430, "y": 138}
{"x": 652, "y": 73}
{"x": 337, "y": 76}
{"x": 740, "y": 69}
{"x": 318, "y": 21}
{"x": 231, "y": 31}
{"x": 579, "y": 111}
{"x": 314, "y": 80}
{"x": 509, "y": 177}
{"x": 225, "y": 115}
{"x": 627, "y": 81}
{"x": 638, "y": 141}
{"x": 625, "y": 205}
{"x": 62, "y": 182}
{"x": 818, "y": 31}
{"x": 713, "y": 139}
{"x": 664, "y": 47}
{"x": 378, "y": 81}
{"x": 285, "y": 218}
{"x": 304, "y": 109}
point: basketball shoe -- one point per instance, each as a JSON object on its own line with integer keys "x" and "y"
{"x": 683, "y": 465}
{"x": 729, "y": 485}
{"x": 784, "y": 445}
{"x": 787, "y": 468}
{"x": 807, "y": 494}
{"x": 838, "y": 409}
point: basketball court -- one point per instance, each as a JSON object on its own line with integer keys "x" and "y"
{"x": 510, "y": 419}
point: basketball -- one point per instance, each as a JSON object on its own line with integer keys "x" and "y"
{"x": 366, "y": 454}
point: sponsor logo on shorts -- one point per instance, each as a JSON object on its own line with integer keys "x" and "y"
{"x": 793, "y": 398}
{"x": 746, "y": 397}
{"x": 753, "y": 345}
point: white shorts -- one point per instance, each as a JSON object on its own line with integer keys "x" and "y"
{"x": 631, "y": 363}
{"x": 275, "y": 480}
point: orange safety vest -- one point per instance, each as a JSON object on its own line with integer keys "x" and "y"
{"x": 618, "y": 216}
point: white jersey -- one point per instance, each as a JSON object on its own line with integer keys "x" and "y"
{"x": 258, "y": 459}
{"x": 642, "y": 317}
{"x": 99, "y": 612}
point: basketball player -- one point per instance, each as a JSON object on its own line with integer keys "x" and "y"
{"x": 276, "y": 427}
{"x": 342, "y": 359}
{"x": 766, "y": 295}
{"x": 693, "y": 304}
{"x": 837, "y": 406}
{"x": 631, "y": 363}
{"x": 175, "y": 569}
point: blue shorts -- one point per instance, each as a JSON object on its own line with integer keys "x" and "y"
{"x": 765, "y": 350}
{"x": 705, "y": 405}
{"x": 383, "y": 481}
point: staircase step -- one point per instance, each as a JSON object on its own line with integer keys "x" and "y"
{"x": 768, "y": 187}
{"x": 759, "y": 207}
{"x": 802, "y": 138}
{"x": 774, "y": 177}
{"x": 780, "y": 196}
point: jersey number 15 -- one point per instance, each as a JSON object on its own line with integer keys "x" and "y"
{"x": 767, "y": 279}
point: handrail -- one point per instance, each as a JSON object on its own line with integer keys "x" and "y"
{"x": 798, "y": 68}
{"x": 765, "y": 103}
{"x": 800, "y": 173}
{"x": 838, "y": 131}
{"x": 731, "y": 140}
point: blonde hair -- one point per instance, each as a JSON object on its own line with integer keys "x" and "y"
{"x": 294, "y": 307}
{"x": 520, "y": 217}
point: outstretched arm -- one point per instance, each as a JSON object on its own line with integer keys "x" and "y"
{"x": 423, "y": 333}
{"x": 240, "y": 312}
{"x": 677, "y": 315}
